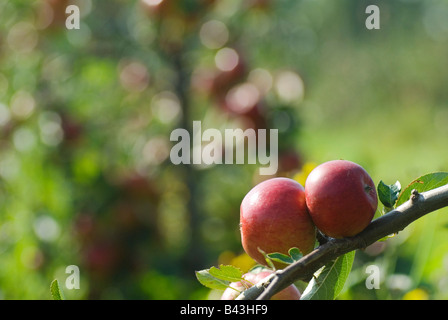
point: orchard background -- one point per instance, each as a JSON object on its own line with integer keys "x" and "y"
{"x": 86, "y": 115}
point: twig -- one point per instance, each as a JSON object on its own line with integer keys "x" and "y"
{"x": 394, "y": 221}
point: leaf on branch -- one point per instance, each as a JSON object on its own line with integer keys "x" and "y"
{"x": 56, "y": 291}
{"x": 280, "y": 257}
{"x": 421, "y": 184}
{"x": 219, "y": 279}
{"x": 293, "y": 255}
{"x": 388, "y": 194}
{"x": 329, "y": 281}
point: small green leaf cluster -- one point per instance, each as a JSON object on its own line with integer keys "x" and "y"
{"x": 293, "y": 255}
{"x": 392, "y": 196}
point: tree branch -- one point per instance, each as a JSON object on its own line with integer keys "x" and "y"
{"x": 394, "y": 221}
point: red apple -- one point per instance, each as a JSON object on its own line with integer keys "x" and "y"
{"x": 341, "y": 198}
{"x": 290, "y": 293}
{"x": 274, "y": 218}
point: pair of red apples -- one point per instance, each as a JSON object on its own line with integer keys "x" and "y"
{"x": 339, "y": 199}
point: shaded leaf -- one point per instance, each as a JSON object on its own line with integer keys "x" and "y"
{"x": 388, "y": 194}
{"x": 328, "y": 281}
{"x": 280, "y": 257}
{"x": 295, "y": 254}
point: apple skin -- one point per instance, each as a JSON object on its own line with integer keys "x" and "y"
{"x": 341, "y": 198}
{"x": 289, "y": 293}
{"x": 274, "y": 218}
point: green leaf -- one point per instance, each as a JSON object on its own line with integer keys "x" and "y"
{"x": 424, "y": 183}
{"x": 388, "y": 194}
{"x": 267, "y": 259}
{"x": 280, "y": 257}
{"x": 226, "y": 273}
{"x": 258, "y": 268}
{"x": 210, "y": 281}
{"x": 219, "y": 278}
{"x": 294, "y": 255}
{"x": 56, "y": 290}
{"x": 328, "y": 281}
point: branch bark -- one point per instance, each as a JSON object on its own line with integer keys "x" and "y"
{"x": 394, "y": 221}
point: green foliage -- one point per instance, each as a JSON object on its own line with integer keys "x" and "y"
{"x": 293, "y": 255}
{"x": 219, "y": 279}
{"x": 329, "y": 280}
{"x": 227, "y": 273}
{"x": 56, "y": 291}
{"x": 388, "y": 194}
{"x": 423, "y": 183}
{"x": 392, "y": 196}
